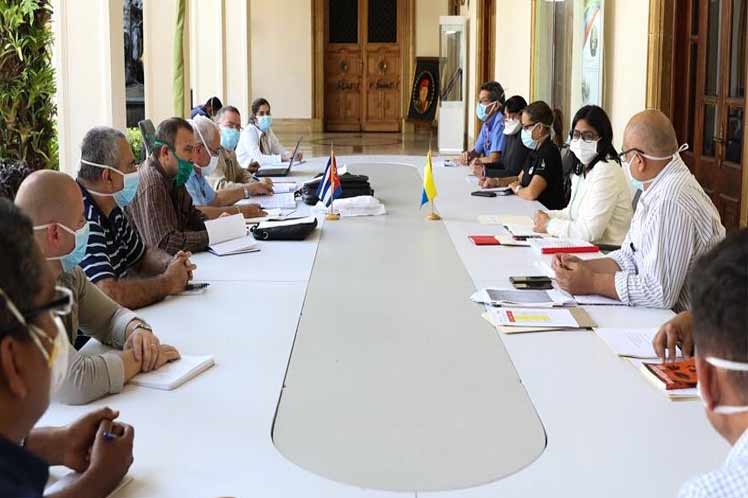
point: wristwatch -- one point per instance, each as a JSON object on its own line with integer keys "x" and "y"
{"x": 246, "y": 193}
{"x": 142, "y": 325}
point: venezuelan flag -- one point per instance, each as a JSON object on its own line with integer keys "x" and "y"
{"x": 429, "y": 187}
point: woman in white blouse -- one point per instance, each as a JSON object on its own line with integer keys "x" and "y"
{"x": 600, "y": 208}
{"x": 257, "y": 142}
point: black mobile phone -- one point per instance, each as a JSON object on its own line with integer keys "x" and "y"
{"x": 529, "y": 280}
{"x": 481, "y": 193}
{"x": 196, "y": 286}
{"x": 532, "y": 285}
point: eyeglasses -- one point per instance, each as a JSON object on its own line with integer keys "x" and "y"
{"x": 584, "y": 136}
{"x": 622, "y": 155}
{"x": 529, "y": 127}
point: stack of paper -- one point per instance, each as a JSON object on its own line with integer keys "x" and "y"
{"x": 275, "y": 201}
{"x": 284, "y": 188}
{"x": 523, "y": 320}
{"x": 514, "y": 297}
{"x": 228, "y": 235}
{"x": 630, "y": 343}
{"x": 174, "y": 374}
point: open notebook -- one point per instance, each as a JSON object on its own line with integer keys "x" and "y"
{"x": 174, "y": 374}
{"x": 228, "y": 235}
{"x": 275, "y": 201}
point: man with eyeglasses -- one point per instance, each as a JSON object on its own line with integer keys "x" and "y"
{"x": 53, "y": 202}
{"x": 33, "y": 360}
{"x": 675, "y": 222}
{"x": 206, "y": 156}
{"x": 228, "y": 172}
{"x": 116, "y": 260}
{"x": 162, "y": 209}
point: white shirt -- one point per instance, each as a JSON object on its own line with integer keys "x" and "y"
{"x": 675, "y": 222}
{"x": 729, "y": 481}
{"x": 248, "y": 148}
{"x": 600, "y": 207}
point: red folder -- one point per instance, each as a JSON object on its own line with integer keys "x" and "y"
{"x": 484, "y": 240}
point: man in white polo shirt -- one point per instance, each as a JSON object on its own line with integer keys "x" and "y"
{"x": 675, "y": 222}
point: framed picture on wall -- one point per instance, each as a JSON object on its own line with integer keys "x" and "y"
{"x": 592, "y": 52}
{"x": 425, "y": 93}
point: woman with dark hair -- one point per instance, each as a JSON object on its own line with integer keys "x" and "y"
{"x": 489, "y": 146}
{"x": 600, "y": 208}
{"x": 257, "y": 142}
{"x": 515, "y": 154}
{"x": 541, "y": 178}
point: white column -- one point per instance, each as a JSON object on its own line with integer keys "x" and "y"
{"x": 237, "y": 78}
{"x": 90, "y": 71}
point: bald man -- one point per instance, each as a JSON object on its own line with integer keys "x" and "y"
{"x": 675, "y": 222}
{"x": 54, "y": 203}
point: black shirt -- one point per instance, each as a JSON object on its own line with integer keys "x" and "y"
{"x": 22, "y": 475}
{"x": 546, "y": 163}
{"x": 512, "y": 160}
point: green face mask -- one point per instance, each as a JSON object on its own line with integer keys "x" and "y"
{"x": 184, "y": 168}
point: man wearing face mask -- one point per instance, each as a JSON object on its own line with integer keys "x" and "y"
{"x": 719, "y": 293}
{"x": 163, "y": 210}
{"x": 515, "y": 154}
{"x": 258, "y": 143}
{"x": 489, "y": 146}
{"x": 675, "y": 222}
{"x": 33, "y": 364}
{"x": 116, "y": 259}
{"x": 61, "y": 232}
{"x": 229, "y": 173}
{"x": 206, "y": 154}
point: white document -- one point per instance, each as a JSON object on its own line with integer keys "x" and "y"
{"x": 235, "y": 246}
{"x": 225, "y": 228}
{"x": 528, "y": 317}
{"x": 276, "y": 201}
{"x": 523, "y": 230}
{"x": 630, "y": 343}
{"x": 544, "y": 268}
{"x": 596, "y": 300}
{"x": 530, "y": 297}
{"x": 505, "y": 219}
{"x": 283, "y": 188}
{"x": 56, "y": 484}
{"x": 508, "y": 240}
{"x": 174, "y": 374}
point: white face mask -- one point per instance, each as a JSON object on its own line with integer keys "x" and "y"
{"x": 211, "y": 166}
{"x": 512, "y": 126}
{"x": 638, "y": 184}
{"x": 726, "y": 365}
{"x": 586, "y": 152}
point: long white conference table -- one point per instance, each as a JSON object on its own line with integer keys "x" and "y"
{"x": 353, "y": 364}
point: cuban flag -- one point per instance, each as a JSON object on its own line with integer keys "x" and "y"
{"x": 329, "y": 187}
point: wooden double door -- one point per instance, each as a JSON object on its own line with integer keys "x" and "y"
{"x": 709, "y": 97}
{"x": 363, "y": 65}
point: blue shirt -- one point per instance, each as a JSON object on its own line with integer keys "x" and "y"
{"x": 114, "y": 245}
{"x": 200, "y": 190}
{"x": 22, "y": 474}
{"x": 199, "y": 111}
{"x": 491, "y": 136}
{"x": 729, "y": 481}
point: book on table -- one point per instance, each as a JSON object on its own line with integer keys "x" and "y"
{"x": 562, "y": 246}
{"x": 227, "y": 235}
{"x": 676, "y": 380}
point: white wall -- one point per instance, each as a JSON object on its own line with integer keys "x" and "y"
{"x": 625, "y": 62}
{"x": 514, "y": 46}
{"x": 206, "y": 38}
{"x": 237, "y": 52}
{"x": 281, "y": 56}
{"x": 90, "y": 72}
{"x": 427, "y": 26}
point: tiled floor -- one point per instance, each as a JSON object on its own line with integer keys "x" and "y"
{"x": 318, "y": 143}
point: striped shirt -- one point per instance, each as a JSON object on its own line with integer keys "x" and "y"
{"x": 729, "y": 481}
{"x": 675, "y": 222}
{"x": 164, "y": 213}
{"x": 114, "y": 246}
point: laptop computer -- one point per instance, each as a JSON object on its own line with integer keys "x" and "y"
{"x": 279, "y": 171}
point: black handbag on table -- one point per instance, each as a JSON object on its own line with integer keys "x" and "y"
{"x": 295, "y": 231}
{"x": 352, "y": 185}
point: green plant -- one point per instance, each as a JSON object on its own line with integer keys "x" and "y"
{"x": 135, "y": 139}
{"x": 27, "y": 83}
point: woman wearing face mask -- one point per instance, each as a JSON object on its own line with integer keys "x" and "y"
{"x": 489, "y": 146}
{"x": 258, "y": 143}
{"x": 541, "y": 178}
{"x": 515, "y": 153}
{"x": 600, "y": 207}
{"x": 33, "y": 363}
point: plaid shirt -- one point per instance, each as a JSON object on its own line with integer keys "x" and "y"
{"x": 729, "y": 481}
{"x": 164, "y": 213}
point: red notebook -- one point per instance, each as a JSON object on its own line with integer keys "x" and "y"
{"x": 678, "y": 375}
{"x": 557, "y": 246}
{"x": 484, "y": 240}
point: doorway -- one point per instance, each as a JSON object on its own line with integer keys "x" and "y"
{"x": 363, "y": 64}
{"x": 708, "y": 106}
{"x": 486, "y": 35}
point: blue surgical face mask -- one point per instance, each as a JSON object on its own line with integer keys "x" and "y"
{"x": 527, "y": 139}
{"x": 74, "y": 257}
{"x": 264, "y": 122}
{"x": 229, "y": 138}
{"x": 122, "y": 197}
{"x": 481, "y": 110}
{"x": 638, "y": 184}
